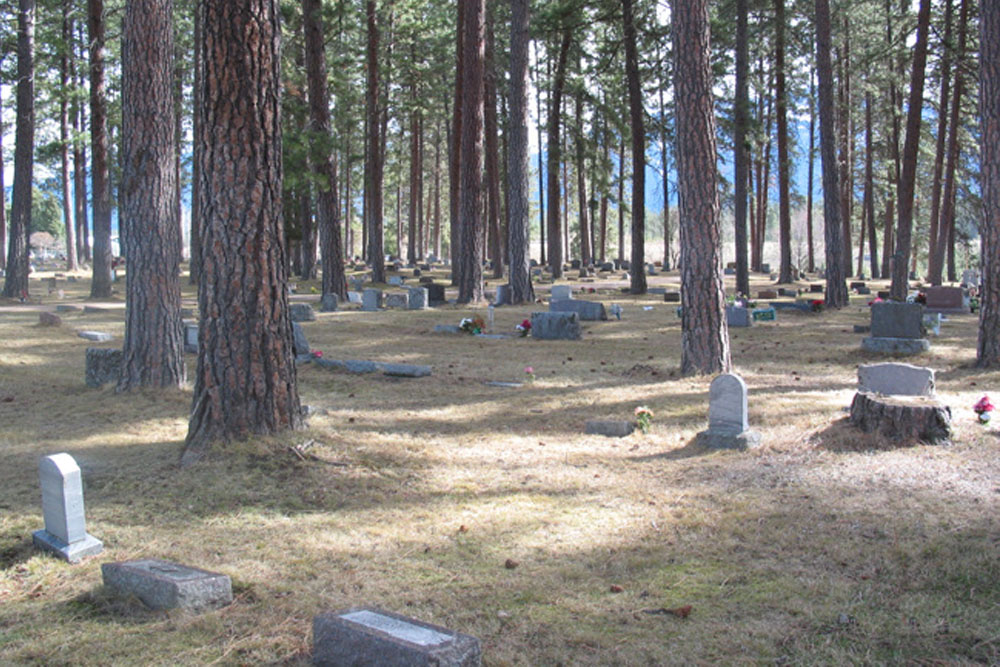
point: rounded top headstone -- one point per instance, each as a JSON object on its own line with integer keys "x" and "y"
{"x": 62, "y": 464}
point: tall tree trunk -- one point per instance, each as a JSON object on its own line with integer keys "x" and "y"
{"x": 492, "y": 155}
{"x": 741, "y": 158}
{"x": 905, "y": 191}
{"x": 586, "y": 254}
{"x": 246, "y": 381}
{"x": 455, "y": 163}
{"x": 811, "y": 261}
{"x": 704, "y": 333}
{"x": 942, "y": 130}
{"x": 946, "y": 227}
{"x": 621, "y": 198}
{"x": 554, "y": 150}
{"x": 781, "y": 94}
{"x": 414, "y": 202}
{"x": 638, "y": 273}
{"x": 846, "y": 133}
{"x": 100, "y": 287}
{"x": 437, "y": 192}
{"x": 988, "y": 350}
{"x": 870, "y": 189}
{"x": 64, "y": 141}
{"x": 3, "y": 198}
{"x": 836, "y": 284}
{"x": 470, "y": 285}
{"x": 328, "y": 211}
{"x": 153, "y": 354}
{"x": 518, "y": 160}
{"x": 80, "y": 155}
{"x": 375, "y": 249}
{"x": 197, "y": 96}
{"x": 541, "y": 166}
{"x": 16, "y": 280}
{"x": 895, "y": 113}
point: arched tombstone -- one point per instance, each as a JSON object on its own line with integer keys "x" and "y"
{"x": 728, "y": 425}
{"x": 65, "y": 531}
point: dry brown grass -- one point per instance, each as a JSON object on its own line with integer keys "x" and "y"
{"x": 820, "y": 547}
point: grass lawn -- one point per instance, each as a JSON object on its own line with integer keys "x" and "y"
{"x": 487, "y": 510}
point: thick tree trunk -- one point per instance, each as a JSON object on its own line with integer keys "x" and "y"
{"x": 100, "y": 287}
{"x": 621, "y": 198}
{"x": 988, "y": 351}
{"x": 64, "y": 141}
{"x": 942, "y": 131}
{"x": 455, "y": 163}
{"x": 908, "y": 420}
{"x": 836, "y": 285}
{"x": 375, "y": 250}
{"x": 845, "y": 133}
{"x": 413, "y": 207}
{"x": 246, "y": 381}
{"x": 197, "y": 95}
{"x": 328, "y": 210}
{"x": 541, "y": 166}
{"x": 637, "y": 124}
{"x": 586, "y": 254}
{"x": 437, "y": 192}
{"x": 518, "y": 160}
{"x": 3, "y": 202}
{"x": 554, "y": 154}
{"x": 907, "y": 179}
{"x": 16, "y": 281}
{"x": 492, "y": 155}
{"x": 470, "y": 284}
{"x": 80, "y": 158}
{"x": 870, "y": 188}
{"x": 704, "y": 333}
{"x": 811, "y": 252}
{"x": 784, "y": 203}
{"x": 153, "y": 355}
{"x": 741, "y": 163}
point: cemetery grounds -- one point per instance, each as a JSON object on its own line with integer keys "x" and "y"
{"x": 487, "y": 510}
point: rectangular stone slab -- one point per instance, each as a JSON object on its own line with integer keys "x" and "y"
{"x": 367, "y": 636}
{"x": 161, "y": 584}
{"x": 609, "y": 428}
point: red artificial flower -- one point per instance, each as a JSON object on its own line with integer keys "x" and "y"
{"x": 526, "y": 324}
{"x": 983, "y": 405}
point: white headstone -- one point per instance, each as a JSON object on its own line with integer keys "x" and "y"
{"x": 62, "y": 506}
{"x": 561, "y": 292}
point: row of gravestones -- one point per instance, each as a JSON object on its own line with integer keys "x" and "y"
{"x": 360, "y": 635}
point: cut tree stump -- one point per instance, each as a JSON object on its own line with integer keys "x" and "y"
{"x": 907, "y": 419}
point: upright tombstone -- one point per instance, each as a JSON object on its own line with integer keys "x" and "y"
{"x": 970, "y": 278}
{"x": 301, "y": 312}
{"x": 191, "y": 336}
{"x": 738, "y": 316}
{"x": 417, "y": 298}
{"x": 897, "y": 328}
{"x": 947, "y": 300}
{"x": 728, "y": 426}
{"x": 435, "y": 294}
{"x": 65, "y": 532}
{"x": 503, "y": 295}
{"x": 371, "y": 299}
{"x": 587, "y": 310}
{"x": 561, "y": 293}
{"x": 328, "y": 303}
{"x": 396, "y": 300}
{"x": 896, "y": 379}
{"x": 367, "y": 636}
{"x": 555, "y": 326}
{"x": 300, "y": 345}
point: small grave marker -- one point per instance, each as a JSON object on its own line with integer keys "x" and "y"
{"x": 555, "y": 326}
{"x": 896, "y": 379}
{"x": 96, "y": 336}
{"x": 328, "y": 303}
{"x": 561, "y": 293}
{"x": 161, "y": 584}
{"x": 728, "y": 426}
{"x": 587, "y": 310}
{"x": 738, "y": 316}
{"x": 371, "y": 299}
{"x": 65, "y": 532}
{"x": 417, "y": 298}
{"x": 610, "y": 428}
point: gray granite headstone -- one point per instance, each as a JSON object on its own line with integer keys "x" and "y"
{"x": 371, "y": 299}
{"x": 301, "y": 312}
{"x": 65, "y": 532}
{"x": 728, "y": 426}
{"x": 395, "y": 280}
{"x": 328, "y": 303}
{"x": 300, "y": 345}
{"x": 367, "y": 636}
{"x": 609, "y": 428}
{"x": 396, "y": 300}
{"x": 896, "y": 379}
{"x": 970, "y": 278}
{"x": 561, "y": 292}
{"x": 191, "y": 337}
{"x": 587, "y": 310}
{"x": 738, "y": 316}
{"x": 435, "y": 294}
{"x": 672, "y": 297}
{"x": 102, "y": 365}
{"x": 417, "y": 298}
{"x": 96, "y": 336}
{"x": 161, "y": 584}
{"x": 405, "y": 370}
{"x": 897, "y": 328}
{"x": 503, "y": 295}
{"x": 555, "y": 326}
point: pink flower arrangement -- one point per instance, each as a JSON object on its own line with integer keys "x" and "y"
{"x": 318, "y": 354}
{"x": 529, "y": 373}
{"x": 984, "y": 409}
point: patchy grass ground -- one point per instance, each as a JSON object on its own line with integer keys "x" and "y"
{"x": 820, "y": 547}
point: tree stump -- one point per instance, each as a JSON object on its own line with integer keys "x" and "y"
{"x": 907, "y": 419}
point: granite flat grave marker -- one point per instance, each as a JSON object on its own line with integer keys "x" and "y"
{"x": 96, "y": 336}
{"x": 163, "y": 585}
{"x": 728, "y": 426}
{"x": 612, "y": 428}
{"x": 368, "y": 636}
{"x": 65, "y": 532}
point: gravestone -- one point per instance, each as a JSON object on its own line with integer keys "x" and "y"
{"x": 656, "y": 290}
{"x": 396, "y": 280}
{"x": 191, "y": 337}
{"x": 301, "y": 312}
{"x": 503, "y": 295}
{"x": 856, "y": 285}
{"x": 607, "y": 267}
{"x": 555, "y": 326}
{"x": 96, "y": 336}
{"x": 416, "y": 298}
{"x": 767, "y": 294}
{"x": 368, "y": 636}
{"x": 731, "y": 265}
{"x": 650, "y": 270}
{"x": 610, "y": 428}
{"x": 300, "y": 346}
{"x": 47, "y": 319}
{"x": 949, "y": 300}
{"x": 65, "y": 532}
{"x": 354, "y": 297}
{"x": 970, "y": 278}
{"x": 435, "y": 294}
{"x": 729, "y": 272}
{"x": 865, "y": 291}
{"x": 738, "y": 317}
{"x": 784, "y": 291}
{"x": 897, "y": 328}
{"x": 371, "y": 299}
{"x": 728, "y": 427}
{"x": 765, "y": 268}
{"x": 164, "y": 585}
{"x": 816, "y": 288}
{"x": 102, "y": 365}
{"x": 883, "y": 294}
{"x": 764, "y": 314}
{"x": 896, "y": 379}
{"x": 672, "y": 297}
{"x": 561, "y": 293}
{"x": 405, "y": 370}
{"x": 574, "y": 264}
{"x": 67, "y": 308}
{"x": 447, "y": 328}
{"x": 588, "y": 311}
{"x": 397, "y": 300}
{"x": 329, "y": 303}
{"x": 625, "y": 265}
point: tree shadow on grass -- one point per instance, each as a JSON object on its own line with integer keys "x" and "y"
{"x": 691, "y": 450}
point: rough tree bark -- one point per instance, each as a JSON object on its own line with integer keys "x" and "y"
{"x": 908, "y": 177}
{"x": 741, "y": 158}
{"x": 518, "y": 160}
{"x": 246, "y": 381}
{"x": 64, "y": 83}
{"x": 988, "y": 350}
{"x": 869, "y": 196}
{"x": 3, "y": 200}
{"x": 100, "y": 286}
{"x": 704, "y": 333}
{"x": 836, "y": 281}
{"x": 328, "y": 212}
{"x": 781, "y": 110}
{"x": 637, "y": 124}
{"x": 554, "y": 157}
{"x": 16, "y": 281}
{"x": 455, "y": 156}
{"x": 153, "y": 354}
{"x": 942, "y": 128}
{"x": 811, "y": 261}
{"x": 470, "y": 194}
{"x": 375, "y": 249}
{"x": 492, "y": 154}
